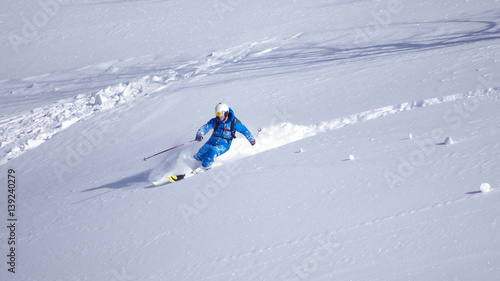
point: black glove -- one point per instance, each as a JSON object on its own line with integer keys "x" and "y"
{"x": 252, "y": 142}
{"x": 198, "y": 138}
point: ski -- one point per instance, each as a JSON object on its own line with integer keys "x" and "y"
{"x": 176, "y": 178}
{"x": 167, "y": 180}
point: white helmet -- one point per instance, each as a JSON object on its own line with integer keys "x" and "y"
{"x": 221, "y": 109}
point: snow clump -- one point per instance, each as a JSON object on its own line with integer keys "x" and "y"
{"x": 485, "y": 187}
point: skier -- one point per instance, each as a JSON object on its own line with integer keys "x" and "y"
{"x": 224, "y": 126}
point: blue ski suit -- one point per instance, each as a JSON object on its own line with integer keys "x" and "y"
{"x": 221, "y": 139}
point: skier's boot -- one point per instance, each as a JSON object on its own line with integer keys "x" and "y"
{"x": 200, "y": 170}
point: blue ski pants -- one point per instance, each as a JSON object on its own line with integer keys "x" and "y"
{"x": 208, "y": 153}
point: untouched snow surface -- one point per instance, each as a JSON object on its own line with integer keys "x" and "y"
{"x": 352, "y": 176}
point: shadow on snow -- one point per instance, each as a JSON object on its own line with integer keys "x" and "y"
{"x": 141, "y": 177}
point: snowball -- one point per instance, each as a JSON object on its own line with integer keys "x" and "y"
{"x": 410, "y": 136}
{"x": 485, "y": 187}
{"x": 448, "y": 141}
{"x": 351, "y": 157}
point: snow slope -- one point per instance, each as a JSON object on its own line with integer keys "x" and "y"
{"x": 92, "y": 87}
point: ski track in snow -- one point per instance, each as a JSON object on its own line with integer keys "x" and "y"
{"x": 29, "y": 130}
{"x": 285, "y": 132}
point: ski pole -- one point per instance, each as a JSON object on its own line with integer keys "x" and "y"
{"x": 145, "y": 158}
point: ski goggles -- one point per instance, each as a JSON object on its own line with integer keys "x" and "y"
{"x": 220, "y": 113}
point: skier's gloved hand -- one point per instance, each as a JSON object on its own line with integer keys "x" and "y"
{"x": 252, "y": 142}
{"x": 198, "y": 138}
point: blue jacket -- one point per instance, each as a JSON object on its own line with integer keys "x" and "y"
{"x": 223, "y": 135}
